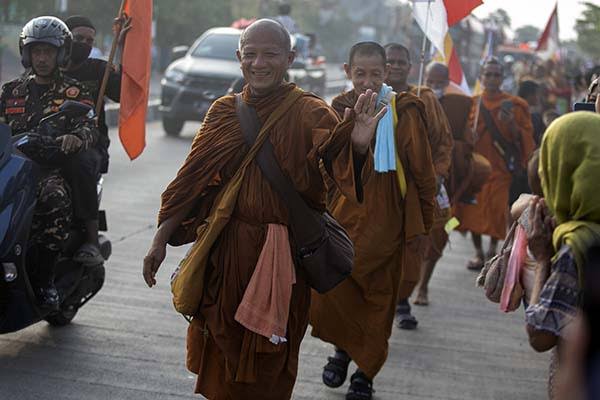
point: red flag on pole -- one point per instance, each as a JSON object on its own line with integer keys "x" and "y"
{"x": 548, "y": 44}
{"x": 458, "y": 9}
{"x": 136, "y": 62}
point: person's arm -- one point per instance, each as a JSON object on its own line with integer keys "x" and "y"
{"x": 540, "y": 245}
{"x": 440, "y": 137}
{"x": 158, "y": 249}
{"x": 346, "y": 149}
{"x": 82, "y": 128}
{"x": 420, "y": 163}
{"x": 540, "y": 340}
{"x": 113, "y": 86}
{"x": 3, "y": 95}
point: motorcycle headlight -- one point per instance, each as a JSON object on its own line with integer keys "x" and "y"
{"x": 175, "y": 75}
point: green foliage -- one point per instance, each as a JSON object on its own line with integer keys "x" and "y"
{"x": 588, "y": 30}
{"x": 501, "y": 18}
{"x": 527, "y": 33}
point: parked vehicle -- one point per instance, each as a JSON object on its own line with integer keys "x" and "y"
{"x": 203, "y": 73}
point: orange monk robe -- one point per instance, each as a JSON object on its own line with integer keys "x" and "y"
{"x": 232, "y": 362}
{"x": 457, "y": 108}
{"x": 441, "y": 144}
{"x": 490, "y": 215}
{"x": 438, "y": 131}
{"x": 358, "y": 314}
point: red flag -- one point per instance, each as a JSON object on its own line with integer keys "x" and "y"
{"x": 458, "y": 9}
{"x": 136, "y": 62}
{"x": 548, "y": 43}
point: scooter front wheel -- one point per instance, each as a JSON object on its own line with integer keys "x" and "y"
{"x": 63, "y": 317}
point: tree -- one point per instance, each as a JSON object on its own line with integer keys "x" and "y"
{"x": 498, "y": 21}
{"x": 527, "y": 33}
{"x": 588, "y": 30}
{"x": 501, "y": 18}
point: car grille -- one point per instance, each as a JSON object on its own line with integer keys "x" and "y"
{"x": 218, "y": 86}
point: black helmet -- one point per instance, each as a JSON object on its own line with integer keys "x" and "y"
{"x": 50, "y": 30}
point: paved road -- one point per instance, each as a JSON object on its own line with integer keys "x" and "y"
{"x": 128, "y": 343}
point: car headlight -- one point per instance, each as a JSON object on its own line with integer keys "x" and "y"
{"x": 175, "y": 75}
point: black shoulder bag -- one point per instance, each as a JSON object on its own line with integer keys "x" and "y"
{"x": 511, "y": 155}
{"x": 321, "y": 246}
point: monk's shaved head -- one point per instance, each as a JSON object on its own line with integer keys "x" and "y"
{"x": 397, "y": 47}
{"x": 269, "y": 30}
{"x": 366, "y": 49}
{"x": 491, "y": 60}
{"x": 438, "y": 68}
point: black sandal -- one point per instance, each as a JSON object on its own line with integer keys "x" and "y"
{"x": 336, "y": 369}
{"x": 361, "y": 387}
{"x": 404, "y": 319}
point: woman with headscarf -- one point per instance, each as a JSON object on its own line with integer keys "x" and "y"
{"x": 565, "y": 224}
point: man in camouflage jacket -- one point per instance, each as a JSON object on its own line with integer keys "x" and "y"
{"x": 23, "y": 103}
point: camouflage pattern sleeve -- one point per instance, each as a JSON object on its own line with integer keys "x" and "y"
{"x": 85, "y": 127}
{"x": 3, "y": 95}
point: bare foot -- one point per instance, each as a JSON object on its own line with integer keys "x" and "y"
{"x": 421, "y": 299}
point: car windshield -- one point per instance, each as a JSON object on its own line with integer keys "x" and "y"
{"x": 221, "y": 46}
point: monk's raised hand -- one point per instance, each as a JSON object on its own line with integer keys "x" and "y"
{"x": 366, "y": 120}
{"x": 152, "y": 261}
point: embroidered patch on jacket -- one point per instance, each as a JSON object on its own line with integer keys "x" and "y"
{"x": 15, "y": 110}
{"x": 72, "y": 92}
{"x": 15, "y": 102}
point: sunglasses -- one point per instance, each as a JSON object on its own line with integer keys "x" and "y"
{"x": 492, "y": 75}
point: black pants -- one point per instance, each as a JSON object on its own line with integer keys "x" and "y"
{"x": 81, "y": 172}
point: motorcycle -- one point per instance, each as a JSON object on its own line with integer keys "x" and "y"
{"x": 76, "y": 283}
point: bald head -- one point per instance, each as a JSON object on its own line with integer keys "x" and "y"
{"x": 266, "y": 30}
{"x": 265, "y": 54}
{"x": 437, "y": 77}
{"x": 438, "y": 69}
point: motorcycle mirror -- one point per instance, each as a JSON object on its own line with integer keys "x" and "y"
{"x": 74, "y": 109}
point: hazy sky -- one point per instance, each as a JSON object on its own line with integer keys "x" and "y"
{"x": 537, "y": 12}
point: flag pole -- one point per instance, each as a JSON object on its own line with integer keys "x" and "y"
{"x": 489, "y": 45}
{"x": 423, "y": 47}
{"x": 111, "y": 57}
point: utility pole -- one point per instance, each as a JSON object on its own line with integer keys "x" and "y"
{"x": 62, "y": 6}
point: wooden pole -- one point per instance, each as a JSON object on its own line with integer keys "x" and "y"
{"x": 111, "y": 57}
{"x": 422, "y": 66}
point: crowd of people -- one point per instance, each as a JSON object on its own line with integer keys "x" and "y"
{"x": 397, "y": 166}
{"x": 392, "y": 166}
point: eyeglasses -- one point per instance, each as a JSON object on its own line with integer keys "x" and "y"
{"x": 492, "y": 75}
